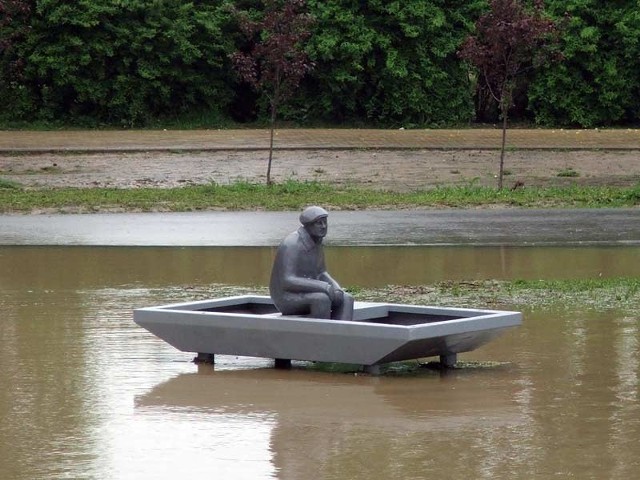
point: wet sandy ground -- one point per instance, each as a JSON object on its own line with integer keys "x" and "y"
{"x": 399, "y": 170}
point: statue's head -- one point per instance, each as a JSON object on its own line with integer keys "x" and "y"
{"x": 314, "y": 220}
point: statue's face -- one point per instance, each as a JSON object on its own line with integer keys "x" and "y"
{"x": 318, "y": 229}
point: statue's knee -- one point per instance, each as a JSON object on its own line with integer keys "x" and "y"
{"x": 320, "y": 305}
{"x": 321, "y": 300}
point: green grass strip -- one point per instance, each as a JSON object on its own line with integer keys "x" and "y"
{"x": 293, "y": 195}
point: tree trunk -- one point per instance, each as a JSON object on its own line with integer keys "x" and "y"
{"x": 504, "y": 107}
{"x": 274, "y": 113}
{"x": 502, "y": 149}
{"x": 273, "y": 127}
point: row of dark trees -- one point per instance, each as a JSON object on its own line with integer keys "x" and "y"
{"x": 375, "y": 62}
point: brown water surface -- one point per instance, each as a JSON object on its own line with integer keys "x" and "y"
{"x": 88, "y": 394}
{"x": 73, "y": 267}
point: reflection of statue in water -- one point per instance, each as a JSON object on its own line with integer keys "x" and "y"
{"x": 300, "y": 284}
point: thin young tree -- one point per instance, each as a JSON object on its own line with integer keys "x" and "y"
{"x": 13, "y": 27}
{"x": 509, "y": 40}
{"x": 274, "y": 61}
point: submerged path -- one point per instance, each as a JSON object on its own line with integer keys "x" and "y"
{"x": 405, "y": 227}
{"x": 305, "y": 139}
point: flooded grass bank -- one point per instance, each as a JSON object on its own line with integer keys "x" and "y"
{"x": 598, "y": 294}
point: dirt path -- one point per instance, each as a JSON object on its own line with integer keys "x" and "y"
{"x": 399, "y": 170}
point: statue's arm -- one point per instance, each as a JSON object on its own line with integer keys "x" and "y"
{"x": 325, "y": 277}
{"x": 292, "y": 282}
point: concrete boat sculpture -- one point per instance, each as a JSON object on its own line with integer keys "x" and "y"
{"x": 379, "y": 333}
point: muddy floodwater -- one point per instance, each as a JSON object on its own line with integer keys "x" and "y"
{"x": 87, "y": 394}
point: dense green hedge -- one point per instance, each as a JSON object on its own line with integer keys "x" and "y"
{"x": 377, "y": 62}
{"x": 387, "y": 61}
{"x": 122, "y": 61}
{"x": 599, "y": 81}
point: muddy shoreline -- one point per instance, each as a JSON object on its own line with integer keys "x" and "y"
{"x": 397, "y": 170}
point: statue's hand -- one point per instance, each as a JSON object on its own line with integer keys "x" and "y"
{"x": 331, "y": 292}
{"x": 339, "y": 296}
{"x": 336, "y": 295}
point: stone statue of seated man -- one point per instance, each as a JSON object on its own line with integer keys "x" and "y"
{"x": 300, "y": 283}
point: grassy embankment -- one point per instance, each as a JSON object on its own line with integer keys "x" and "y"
{"x": 293, "y": 195}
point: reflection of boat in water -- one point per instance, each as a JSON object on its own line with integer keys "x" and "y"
{"x": 390, "y": 403}
{"x": 379, "y": 333}
{"x": 343, "y": 426}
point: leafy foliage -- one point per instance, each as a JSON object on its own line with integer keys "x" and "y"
{"x": 275, "y": 61}
{"x": 377, "y": 62}
{"x": 12, "y": 23}
{"x": 389, "y": 62}
{"x": 14, "y": 27}
{"x": 509, "y": 40}
{"x": 124, "y": 61}
{"x": 598, "y": 83}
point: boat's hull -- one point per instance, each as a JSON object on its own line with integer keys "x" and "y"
{"x": 380, "y": 333}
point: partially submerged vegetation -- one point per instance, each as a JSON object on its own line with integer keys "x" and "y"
{"x": 594, "y": 294}
{"x": 292, "y": 195}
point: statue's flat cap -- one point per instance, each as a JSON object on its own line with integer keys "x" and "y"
{"x": 311, "y": 214}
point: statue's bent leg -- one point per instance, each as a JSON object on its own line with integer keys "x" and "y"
{"x": 316, "y": 305}
{"x": 320, "y": 305}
